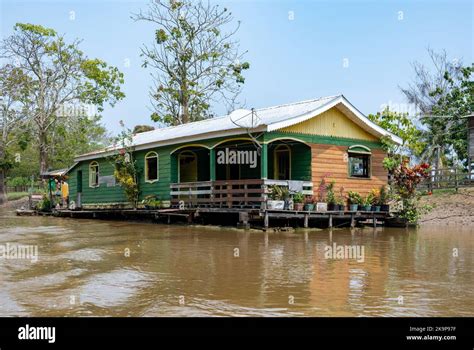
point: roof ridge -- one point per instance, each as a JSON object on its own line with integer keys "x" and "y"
{"x": 300, "y": 102}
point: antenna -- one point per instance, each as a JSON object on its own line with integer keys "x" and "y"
{"x": 248, "y": 120}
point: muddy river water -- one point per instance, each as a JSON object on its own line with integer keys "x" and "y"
{"x": 112, "y": 268}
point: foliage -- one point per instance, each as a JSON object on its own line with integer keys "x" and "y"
{"x": 399, "y": 124}
{"x": 369, "y": 199}
{"x": 330, "y": 196}
{"x": 152, "y": 201}
{"x": 19, "y": 181}
{"x": 298, "y": 197}
{"x": 196, "y": 62}
{"x": 322, "y": 189}
{"x": 57, "y": 75}
{"x": 406, "y": 178}
{"x": 279, "y": 193}
{"x": 340, "y": 198}
{"x": 126, "y": 170}
{"x": 142, "y": 128}
{"x": 383, "y": 195}
{"x": 44, "y": 204}
{"x": 354, "y": 197}
{"x": 443, "y": 93}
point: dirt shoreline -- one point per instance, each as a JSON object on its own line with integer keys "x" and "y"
{"x": 449, "y": 208}
{"x": 16, "y": 204}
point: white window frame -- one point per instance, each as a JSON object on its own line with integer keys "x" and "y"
{"x": 152, "y": 154}
{"x": 96, "y": 174}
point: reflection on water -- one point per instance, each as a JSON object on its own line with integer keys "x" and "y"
{"x": 103, "y": 268}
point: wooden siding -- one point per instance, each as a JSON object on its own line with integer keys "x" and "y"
{"x": 331, "y": 123}
{"x": 329, "y": 160}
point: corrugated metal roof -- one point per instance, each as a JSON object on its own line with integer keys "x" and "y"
{"x": 263, "y": 119}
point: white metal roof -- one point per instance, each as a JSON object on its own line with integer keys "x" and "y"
{"x": 238, "y": 122}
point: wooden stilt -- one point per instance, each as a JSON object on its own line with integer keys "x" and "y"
{"x": 266, "y": 220}
{"x": 330, "y": 220}
{"x": 306, "y": 219}
{"x": 352, "y": 221}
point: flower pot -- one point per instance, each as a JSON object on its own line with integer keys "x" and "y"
{"x": 275, "y": 205}
{"x": 332, "y": 206}
{"x": 385, "y": 207}
{"x": 321, "y": 206}
{"x": 340, "y": 207}
{"x": 353, "y": 207}
{"x": 299, "y": 206}
{"x": 309, "y": 207}
{"x": 376, "y": 208}
{"x": 367, "y": 208}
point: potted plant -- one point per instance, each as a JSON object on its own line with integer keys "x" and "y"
{"x": 331, "y": 197}
{"x": 309, "y": 203}
{"x": 321, "y": 204}
{"x": 383, "y": 199}
{"x": 354, "y": 199}
{"x": 277, "y": 200}
{"x": 340, "y": 199}
{"x": 149, "y": 202}
{"x": 298, "y": 200}
{"x": 367, "y": 202}
{"x": 375, "y": 200}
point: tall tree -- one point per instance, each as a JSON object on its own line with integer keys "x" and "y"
{"x": 196, "y": 63}
{"x": 429, "y": 92}
{"x": 59, "y": 74}
{"x": 14, "y": 87}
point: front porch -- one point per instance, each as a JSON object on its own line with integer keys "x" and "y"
{"x": 248, "y": 193}
{"x": 238, "y": 173}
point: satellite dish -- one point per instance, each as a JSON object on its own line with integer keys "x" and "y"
{"x": 244, "y": 118}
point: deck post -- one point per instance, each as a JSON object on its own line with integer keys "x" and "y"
{"x": 264, "y": 162}
{"x": 375, "y": 221}
{"x": 352, "y": 221}
{"x": 266, "y": 220}
{"x": 330, "y": 220}
{"x": 212, "y": 164}
{"x": 306, "y": 219}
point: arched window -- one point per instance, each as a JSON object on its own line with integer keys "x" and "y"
{"x": 151, "y": 167}
{"x": 94, "y": 174}
{"x": 359, "y": 157}
{"x": 282, "y": 162}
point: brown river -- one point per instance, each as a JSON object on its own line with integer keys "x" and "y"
{"x": 112, "y": 268}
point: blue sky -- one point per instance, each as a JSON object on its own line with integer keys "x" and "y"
{"x": 291, "y": 59}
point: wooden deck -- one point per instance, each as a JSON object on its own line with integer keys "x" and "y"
{"x": 244, "y": 217}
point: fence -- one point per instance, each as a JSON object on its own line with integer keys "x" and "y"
{"x": 446, "y": 178}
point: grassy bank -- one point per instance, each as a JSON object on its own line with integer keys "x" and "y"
{"x": 12, "y": 196}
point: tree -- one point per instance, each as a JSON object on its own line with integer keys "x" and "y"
{"x": 196, "y": 63}
{"x": 402, "y": 125}
{"x": 433, "y": 92}
{"x": 13, "y": 90}
{"x": 142, "y": 128}
{"x": 59, "y": 74}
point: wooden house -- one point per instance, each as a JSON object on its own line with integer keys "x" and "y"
{"x": 231, "y": 160}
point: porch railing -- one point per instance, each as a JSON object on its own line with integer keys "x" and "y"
{"x": 250, "y": 193}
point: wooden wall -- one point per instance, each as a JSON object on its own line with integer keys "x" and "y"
{"x": 329, "y": 159}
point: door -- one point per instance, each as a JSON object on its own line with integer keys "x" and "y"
{"x": 282, "y": 163}
{"x": 187, "y": 167}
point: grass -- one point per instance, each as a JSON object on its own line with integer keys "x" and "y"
{"x": 16, "y": 195}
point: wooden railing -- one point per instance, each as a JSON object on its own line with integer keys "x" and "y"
{"x": 446, "y": 178}
{"x": 249, "y": 193}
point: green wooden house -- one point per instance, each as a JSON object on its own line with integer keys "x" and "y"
{"x": 231, "y": 160}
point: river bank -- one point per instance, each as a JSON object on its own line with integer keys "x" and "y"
{"x": 449, "y": 208}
